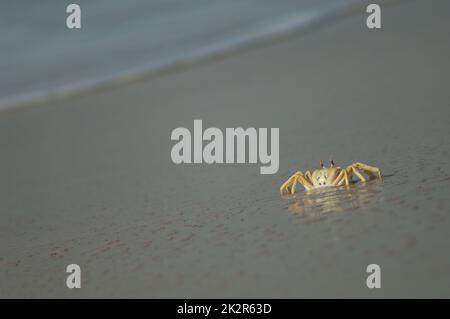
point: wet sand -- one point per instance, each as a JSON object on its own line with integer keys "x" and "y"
{"x": 89, "y": 180}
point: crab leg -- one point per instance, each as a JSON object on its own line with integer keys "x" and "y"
{"x": 357, "y": 173}
{"x": 347, "y": 177}
{"x": 292, "y": 182}
{"x": 338, "y": 178}
{"x": 341, "y": 178}
{"x": 306, "y": 184}
{"x": 369, "y": 170}
{"x": 294, "y": 185}
{"x": 286, "y": 185}
{"x": 308, "y": 177}
{"x": 305, "y": 180}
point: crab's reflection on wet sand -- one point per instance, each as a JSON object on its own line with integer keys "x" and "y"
{"x": 317, "y": 202}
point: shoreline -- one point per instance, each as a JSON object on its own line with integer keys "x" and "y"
{"x": 287, "y": 27}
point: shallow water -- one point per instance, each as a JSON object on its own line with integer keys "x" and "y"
{"x": 40, "y": 57}
{"x": 317, "y": 203}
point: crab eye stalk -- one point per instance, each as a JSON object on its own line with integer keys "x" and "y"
{"x": 321, "y": 164}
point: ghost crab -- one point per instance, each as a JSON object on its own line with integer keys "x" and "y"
{"x": 331, "y": 176}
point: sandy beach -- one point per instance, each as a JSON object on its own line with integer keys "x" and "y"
{"x": 89, "y": 179}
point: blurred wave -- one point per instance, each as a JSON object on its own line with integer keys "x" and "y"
{"x": 119, "y": 40}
